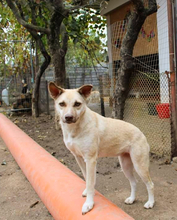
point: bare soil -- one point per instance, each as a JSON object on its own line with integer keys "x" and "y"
{"x": 18, "y": 200}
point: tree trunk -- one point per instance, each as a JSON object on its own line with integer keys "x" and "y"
{"x": 58, "y": 40}
{"x": 43, "y": 67}
{"x": 58, "y": 48}
{"x": 36, "y": 59}
{"x": 59, "y": 67}
{"x": 135, "y": 22}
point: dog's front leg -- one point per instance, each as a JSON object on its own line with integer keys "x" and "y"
{"x": 82, "y": 165}
{"x": 90, "y": 183}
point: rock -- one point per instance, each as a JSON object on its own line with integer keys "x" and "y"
{"x": 4, "y": 163}
{"x": 170, "y": 183}
{"x": 62, "y": 161}
{"x": 53, "y": 153}
{"x": 175, "y": 159}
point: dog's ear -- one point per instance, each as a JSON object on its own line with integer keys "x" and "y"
{"x": 85, "y": 90}
{"x": 54, "y": 90}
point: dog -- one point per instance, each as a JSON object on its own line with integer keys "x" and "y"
{"x": 89, "y": 135}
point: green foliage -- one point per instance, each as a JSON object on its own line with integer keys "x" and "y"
{"x": 14, "y": 56}
{"x": 86, "y": 29}
{"x": 87, "y": 46}
{"x": 79, "y": 55}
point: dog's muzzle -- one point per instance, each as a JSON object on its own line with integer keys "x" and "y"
{"x": 69, "y": 119}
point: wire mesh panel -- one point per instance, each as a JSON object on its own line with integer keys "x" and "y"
{"x": 148, "y": 102}
{"x": 15, "y": 93}
{"x": 144, "y": 109}
{"x": 15, "y": 75}
{"x": 78, "y": 76}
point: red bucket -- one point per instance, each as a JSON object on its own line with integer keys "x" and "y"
{"x": 163, "y": 110}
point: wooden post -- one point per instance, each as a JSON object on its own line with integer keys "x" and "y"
{"x": 67, "y": 83}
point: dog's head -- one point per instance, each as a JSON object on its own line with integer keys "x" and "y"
{"x": 70, "y": 103}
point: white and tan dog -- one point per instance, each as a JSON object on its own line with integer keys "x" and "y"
{"x": 88, "y": 136}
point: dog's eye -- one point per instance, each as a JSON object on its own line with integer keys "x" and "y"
{"x": 62, "y": 104}
{"x": 77, "y": 104}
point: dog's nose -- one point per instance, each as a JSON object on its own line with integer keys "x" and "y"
{"x": 69, "y": 118}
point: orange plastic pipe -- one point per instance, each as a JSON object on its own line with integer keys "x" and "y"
{"x": 58, "y": 187}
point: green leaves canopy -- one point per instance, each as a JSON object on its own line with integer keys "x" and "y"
{"x": 86, "y": 29}
{"x": 14, "y": 57}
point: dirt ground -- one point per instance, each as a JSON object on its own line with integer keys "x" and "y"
{"x": 18, "y": 200}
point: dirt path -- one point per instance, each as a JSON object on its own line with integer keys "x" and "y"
{"x": 18, "y": 201}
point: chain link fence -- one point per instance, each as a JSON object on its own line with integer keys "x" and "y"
{"x": 148, "y": 104}
{"x": 144, "y": 109}
{"x": 15, "y": 93}
{"x": 16, "y": 72}
{"x": 143, "y": 106}
{"x": 78, "y": 76}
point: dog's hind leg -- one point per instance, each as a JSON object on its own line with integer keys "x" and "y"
{"x": 127, "y": 167}
{"x": 141, "y": 165}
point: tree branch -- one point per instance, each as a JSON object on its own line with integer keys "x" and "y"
{"x": 20, "y": 9}
{"x": 23, "y": 22}
{"x": 139, "y": 6}
{"x": 65, "y": 38}
{"x": 49, "y": 6}
{"x": 152, "y": 7}
{"x": 33, "y": 14}
{"x": 57, "y": 4}
{"x": 78, "y": 7}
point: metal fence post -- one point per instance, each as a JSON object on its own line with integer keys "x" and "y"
{"x": 174, "y": 75}
{"x": 47, "y": 97}
{"x": 101, "y": 96}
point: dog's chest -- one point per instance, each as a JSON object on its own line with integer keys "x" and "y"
{"x": 73, "y": 145}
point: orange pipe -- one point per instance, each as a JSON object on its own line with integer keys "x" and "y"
{"x": 58, "y": 187}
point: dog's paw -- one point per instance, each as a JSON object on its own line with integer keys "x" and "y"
{"x": 149, "y": 205}
{"x": 84, "y": 194}
{"x": 87, "y": 207}
{"x": 129, "y": 201}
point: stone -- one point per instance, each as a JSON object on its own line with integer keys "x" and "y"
{"x": 175, "y": 159}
